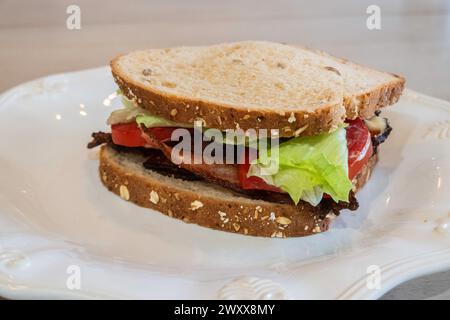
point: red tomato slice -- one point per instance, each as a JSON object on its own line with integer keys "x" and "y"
{"x": 359, "y": 144}
{"x": 253, "y": 182}
{"x": 127, "y": 134}
{"x": 130, "y": 135}
{"x": 161, "y": 134}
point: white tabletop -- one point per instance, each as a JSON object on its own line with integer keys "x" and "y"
{"x": 414, "y": 40}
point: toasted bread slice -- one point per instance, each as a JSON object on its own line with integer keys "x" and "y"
{"x": 254, "y": 84}
{"x": 210, "y": 205}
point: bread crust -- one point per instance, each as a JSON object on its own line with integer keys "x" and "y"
{"x": 365, "y": 104}
{"x": 231, "y": 213}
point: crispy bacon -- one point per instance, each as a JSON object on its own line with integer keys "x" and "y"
{"x": 99, "y": 138}
{"x": 225, "y": 174}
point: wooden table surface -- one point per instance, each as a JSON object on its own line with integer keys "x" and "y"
{"x": 414, "y": 40}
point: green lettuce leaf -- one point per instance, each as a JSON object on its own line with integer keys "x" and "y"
{"x": 132, "y": 112}
{"x": 309, "y": 167}
{"x": 127, "y": 113}
{"x": 150, "y": 121}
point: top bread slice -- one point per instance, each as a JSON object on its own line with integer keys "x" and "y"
{"x": 254, "y": 84}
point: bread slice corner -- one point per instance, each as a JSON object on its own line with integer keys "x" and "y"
{"x": 365, "y": 89}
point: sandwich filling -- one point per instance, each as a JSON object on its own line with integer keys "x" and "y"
{"x": 312, "y": 169}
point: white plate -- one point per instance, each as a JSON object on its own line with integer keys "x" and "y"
{"x": 58, "y": 224}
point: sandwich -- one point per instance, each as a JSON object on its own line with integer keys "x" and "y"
{"x": 256, "y": 138}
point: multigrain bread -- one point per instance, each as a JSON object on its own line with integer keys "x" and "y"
{"x": 254, "y": 84}
{"x": 209, "y": 205}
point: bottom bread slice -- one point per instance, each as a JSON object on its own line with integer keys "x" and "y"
{"x": 209, "y": 205}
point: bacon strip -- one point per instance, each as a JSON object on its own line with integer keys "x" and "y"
{"x": 225, "y": 174}
{"x": 99, "y": 138}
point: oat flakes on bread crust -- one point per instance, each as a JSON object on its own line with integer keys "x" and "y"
{"x": 208, "y": 205}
